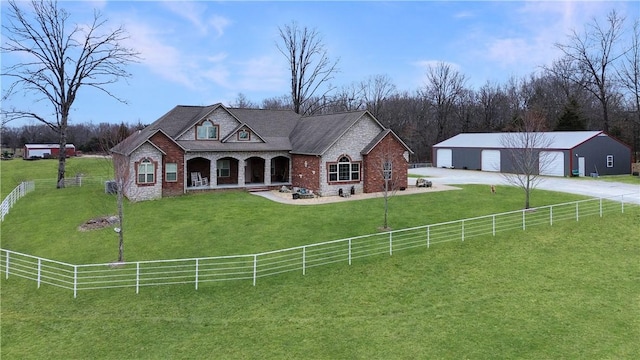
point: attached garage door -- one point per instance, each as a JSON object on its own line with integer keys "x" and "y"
{"x": 443, "y": 158}
{"x": 551, "y": 163}
{"x": 490, "y": 160}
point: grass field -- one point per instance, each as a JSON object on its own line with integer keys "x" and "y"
{"x": 566, "y": 291}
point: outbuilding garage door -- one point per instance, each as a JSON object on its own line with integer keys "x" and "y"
{"x": 490, "y": 160}
{"x": 443, "y": 158}
{"x": 551, "y": 163}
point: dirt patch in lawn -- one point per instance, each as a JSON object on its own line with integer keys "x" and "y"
{"x": 99, "y": 223}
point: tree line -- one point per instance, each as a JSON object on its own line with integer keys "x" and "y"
{"x": 594, "y": 85}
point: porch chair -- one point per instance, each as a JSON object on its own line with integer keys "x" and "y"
{"x": 196, "y": 179}
{"x": 203, "y": 180}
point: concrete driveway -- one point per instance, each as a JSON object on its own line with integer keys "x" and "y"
{"x": 588, "y": 187}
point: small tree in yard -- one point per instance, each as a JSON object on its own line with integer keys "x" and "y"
{"x": 122, "y": 178}
{"x": 390, "y": 166}
{"x": 56, "y": 61}
{"x": 523, "y": 146}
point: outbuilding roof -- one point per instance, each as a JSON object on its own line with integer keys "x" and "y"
{"x": 558, "y": 139}
{"x": 47, "y": 146}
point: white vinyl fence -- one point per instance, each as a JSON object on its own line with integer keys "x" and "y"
{"x": 20, "y": 191}
{"x": 300, "y": 259}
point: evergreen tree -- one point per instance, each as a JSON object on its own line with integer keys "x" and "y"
{"x": 570, "y": 120}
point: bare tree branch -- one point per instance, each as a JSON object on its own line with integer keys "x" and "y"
{"x": 58, "y": 62}
{"x": 523, "y": 148}
{"x": 592, "y": 56}
{"x": 309, "y": 65}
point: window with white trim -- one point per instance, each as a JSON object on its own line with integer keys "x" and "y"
{"x": 387, "y": 170}
{"x": 207, "y": 131}
{"x": 146, "y": 172}
{"x": 609, "y": 161}
{"x": 171, "y": 172}
{"x": 344, "y": 170}
{"x": 224, "y": 168}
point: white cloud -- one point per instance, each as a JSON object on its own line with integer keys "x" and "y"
{"x": 196, "y": 14}
{"x": 262, "y": 74}
{"x": 536, "y": 28}
{"x": 219, "y": 23}
{"x": 464, "y": 15}
{"x": 189, "y": 11}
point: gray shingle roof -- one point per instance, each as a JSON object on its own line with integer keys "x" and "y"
{"x": 560, "y": 140}
{"x": 315, "y": 134}
{"x": 282, "y": 130}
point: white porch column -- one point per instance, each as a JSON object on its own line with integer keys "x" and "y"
{"x": 213, "y": 173}
{"x": 242, "y": 169}
{"x": 267, "y": 171}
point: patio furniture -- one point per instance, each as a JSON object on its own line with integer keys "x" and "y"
{"x": 422, "y": 182}
{"x": 303, "y": 193}
{"x": 198, "y": 180}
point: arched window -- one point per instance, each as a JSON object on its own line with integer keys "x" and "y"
{"x": 207, "y": 131}
{"x": 146, "y": 172}
{"x": 344, "y": 170}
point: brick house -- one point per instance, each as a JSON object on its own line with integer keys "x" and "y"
{"x": 204, "y": 148}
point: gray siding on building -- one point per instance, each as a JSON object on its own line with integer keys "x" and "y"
{"x": 466, "y": 158}
{"x": 594, "y": 149}
{"x": 595, "y": 153}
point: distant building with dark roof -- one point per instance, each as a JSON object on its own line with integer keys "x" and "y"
{"x": 567, "y": 153}
{"x": 200, "y": 148}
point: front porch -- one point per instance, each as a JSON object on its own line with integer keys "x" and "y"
{"x": 253, "y": 172}
{"x": 247, "y": 187}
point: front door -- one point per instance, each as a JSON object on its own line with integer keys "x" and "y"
{"x": 581, "y": 166}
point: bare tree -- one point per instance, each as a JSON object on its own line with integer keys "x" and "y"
{"x": 347, "y": 98}
{"x": 58, "y": 60}
{"x": 523, "y": 146}
{"x": 444, "y": 86}
{"x": 629, "y": 71}
{"x": 123, "y": 176}
{"x": 242, "y": 102}
{"x": 309, "y": 65}
{"x": 592, "y": 56}
{"x": 388, "y": 162}
{"x": 375, "y": 90}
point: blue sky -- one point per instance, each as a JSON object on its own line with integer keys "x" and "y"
{"x": 205, "y": 52}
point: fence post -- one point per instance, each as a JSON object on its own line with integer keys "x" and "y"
{"x": 524, "y": 226}
{"x": 197, "y": 274}
{"x": 462, "y": 230}
{"x": 428, "y": 235}
{"x": 577, "y": 212}
{"x": 6, "y": 276}
{"x": 622, "y": 202}
{"x": 390, "y": 243}
{"x": 255, "y": 268}
{"x": 75, "y": 281}
{"x": 304, "y": 260}
{"x": 349, "y": 251}
{"x": 493, "y": 225}
{"x": 551, "y": 215}
{"x": 39, "y": 271}
{"x": 137, "y": 277}
{"x": 600, "y": 207}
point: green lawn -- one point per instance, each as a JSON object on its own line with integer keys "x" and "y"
{"x": 569, "y": 290}
{"x": 627, "y": 179}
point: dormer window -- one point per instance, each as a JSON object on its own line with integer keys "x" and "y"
{"x": 243, "y": 135}
{"x": 207, "y": 131}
